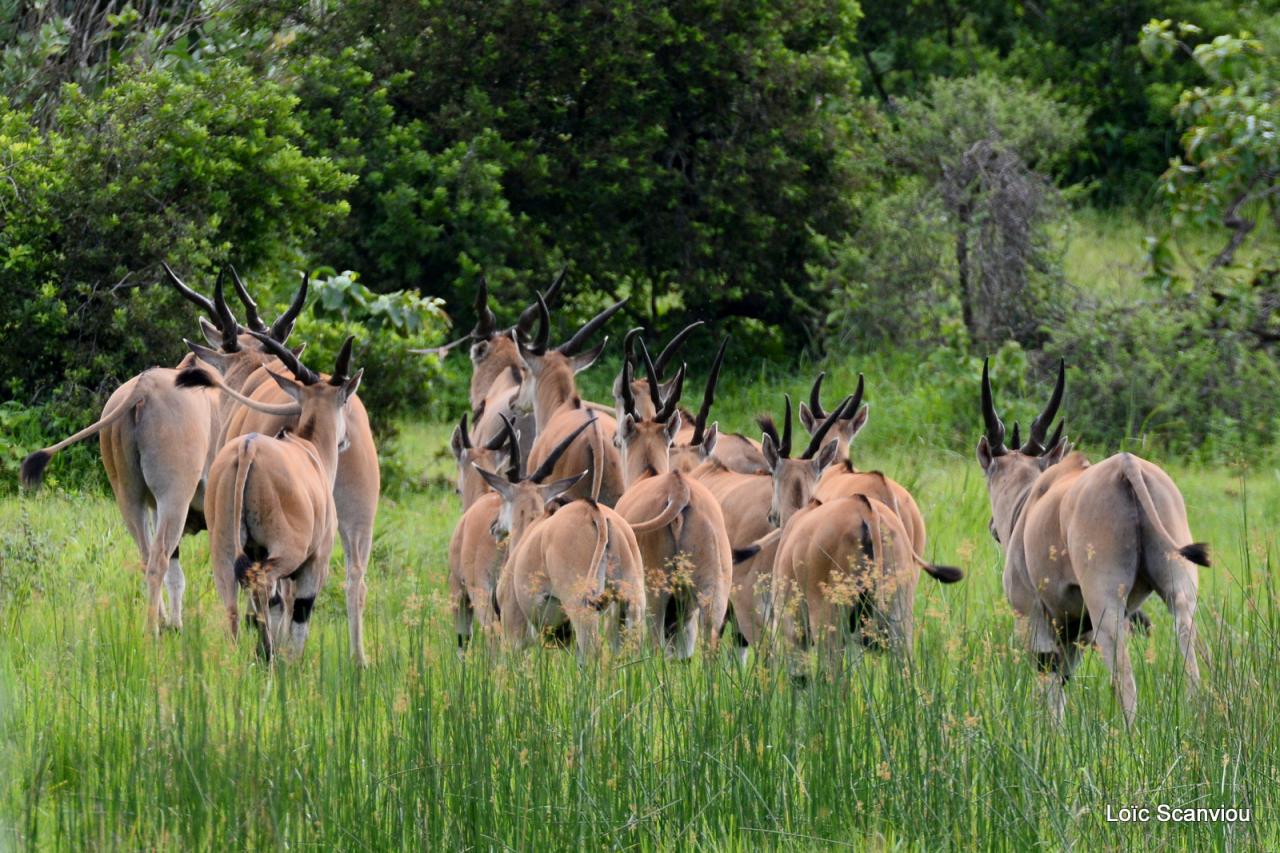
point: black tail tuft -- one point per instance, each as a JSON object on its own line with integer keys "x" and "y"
{"x": 194, "y": 377}
{"x": 741, "y": 555}
{"x": 33, "y": 469}
{"x": 243, "y": 564}
{"x": 1196, "y": 552}
{"x": 944, "y": 574}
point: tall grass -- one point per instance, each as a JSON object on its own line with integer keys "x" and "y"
{"x": 111, "y": 739}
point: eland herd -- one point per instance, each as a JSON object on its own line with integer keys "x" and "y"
{"x": 589, "y": 523}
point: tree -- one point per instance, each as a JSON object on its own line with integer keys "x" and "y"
{"x": 985, "y": 147}
{"x": 689, "y": 154}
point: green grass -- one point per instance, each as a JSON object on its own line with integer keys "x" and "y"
{"x": 111, "y": 739}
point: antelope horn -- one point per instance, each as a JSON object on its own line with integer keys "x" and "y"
{"x": 815, "y": 397}
{"x": 852, "y": 409}
{"x": 630, "y": 336}
{"x": 553, "y": 457}
{"x": 820, "y": 434}
{"x": 283, "y": 326}
{"x": 250, "y": 307}
{"x": 301, "y": 372}
{"x": 529, "y": 314}
{"x": 669, "y": 407}
{"x": 1016, "y": 438}
{"x": 1040, "y": 426}
{"x": 785, "y": 449}
{"x": 225, "y": 318}
{"x": 995, "y": 427}
{"x": 342, "y": 364}
{"x": 498, "y": 440}
{"x": 708, "y": 395}
{"x": 660, "y": 364}
{"x": 189, "y": 294}
{"x": 465, "y": 432}
{"x": 486, "y": 323}
{"x": 444, "y": 349}
{"x": 628, "y": 395}
{"x": 571, "y": 346}
{"x": 651, "y": 371}
{"x": 1055, "y": 438}
{"x": 508, "y": 434}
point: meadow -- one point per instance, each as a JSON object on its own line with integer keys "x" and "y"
{"x": 112, "y": 739}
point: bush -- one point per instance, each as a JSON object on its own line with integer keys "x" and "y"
{"x": 157, "y": 166}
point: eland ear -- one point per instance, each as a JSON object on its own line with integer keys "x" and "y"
{"x": 709, "y": 438}
{"x": 770, "y": 449}
{"x": 497, "y": 482}
{"x": 287, "y": 385}
{"x": 455, "y": 443}
{"x": 351, "y": 386}
{"x": 627, "y": 427}
{"x": 211, "y": 333}
{"x": 825, "y": 456}
{"x": 551, "y": 491}
{"x": 984, "y": 453}
{"x": 858, "y": 421}
{"x": 807, "y": 420}
{"x": 1055, "y": 454}
{"x": 673, "y": 426}
{"x": 583, "y": 360}
{"x": 212, "y": 357}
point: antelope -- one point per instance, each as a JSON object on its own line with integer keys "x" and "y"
{"x": 357, "y": 483}
{"x": 844, "y": 480}
{"x": 471, "y": 486}
{"x": 158, "y": 443}
{"x": 754, "y": 507}
{"x": 677, "y": 523}
{"x": 556, "y": 576}
{"x": 551, "y": 394}
{"x": 475, "y": 553}
{"x": 271, "y": 500}
{"x": 497, "y": 369}
{"x": 845, "y": 576}
{"x": 1084, "y": 545}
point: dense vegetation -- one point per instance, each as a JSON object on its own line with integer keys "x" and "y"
{"x": 820, "y": 176}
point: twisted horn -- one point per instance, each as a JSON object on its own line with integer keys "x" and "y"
{"x": 486, "y": 323}
{"x": 785, "y": 449}
{"x": 708, "y": 395}
{"x": 226, "y": 320}
{"x": 301, "y": 372}
{"x": 250, "y": 307}
{"x": 498, "y": 440}
{"x": 628, "y": 394}
{"x": 1055, "y": 438}
{"x": 283, "y": 326}
{"x": 529, "y": 314}
{"x": 852, "y": 409}
{"x": 669, "y": 407}
{"x": 660, "y": 364}
{"x": 651, "y": 371}
{"x": 815, "y": 397}
{"x": 466, "y": 433}
{"x": 514, "y": 462}
{"x": 571, "y": 346}
{"x": 995, "y": 427}
{"x": 1016, "y": 438}
{"x": 342, "y": 364}
{"x": 820, "y": 434}
{"x": 189, "y": 294}
{"x": 1040, "y": 426}
{"x": 553, "y": 457}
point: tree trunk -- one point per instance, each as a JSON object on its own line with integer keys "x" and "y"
{"x": 967, "y": 312}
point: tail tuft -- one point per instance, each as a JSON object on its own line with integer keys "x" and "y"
{"x": 249, "y": 572}
{"x": 194, "y": 377}
{"x": 1196, "y": 552}
{"x": 741, "y": 555}
{"x": 944, "y": 574}
{"x": 33, "y": 469}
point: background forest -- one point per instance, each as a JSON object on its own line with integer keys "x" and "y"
{"x": 910, "y": 184}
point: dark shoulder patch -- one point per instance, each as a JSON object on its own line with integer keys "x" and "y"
{"x": 194, "y": 377}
